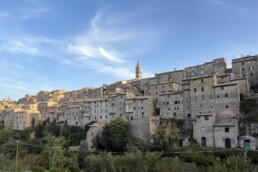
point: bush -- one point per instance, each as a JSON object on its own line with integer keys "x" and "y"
{"x": 37, "y": 169}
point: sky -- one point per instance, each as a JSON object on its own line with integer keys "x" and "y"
{"x": 72, "y": 44}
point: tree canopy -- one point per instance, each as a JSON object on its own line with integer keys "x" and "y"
{"x": 116, "y": 135}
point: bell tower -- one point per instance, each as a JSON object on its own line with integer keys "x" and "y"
{"x": 138, "y": 71}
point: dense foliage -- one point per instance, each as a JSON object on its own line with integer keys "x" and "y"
{"x": 116, "y": 136}
{"x": 50, "y": 152}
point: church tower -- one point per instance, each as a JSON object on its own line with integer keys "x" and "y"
{"x": 138, "y": 71}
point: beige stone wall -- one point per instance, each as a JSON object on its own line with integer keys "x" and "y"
{"x": 9, "y": 118}
{"x": 138, "y": 107}
{"x": 140, "y": 128}
{"x": 244, "y": 87}
{"x": 221, "y": 135}
{"x": 171, "y": 76}
{"x": 202, "y": 94}
{"x": 95, "y": 130}
{"x": 203, "y": 127}
{"x": 172, "y": 105}
{"x": 246, "y": 67}
{"x": 227, "y": 100}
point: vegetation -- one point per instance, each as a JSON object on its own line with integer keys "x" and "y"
{"x": 116, "y": 136}
{"x": 249, "y": 110}
{"x": 50, "y": 152}
{"x": 167, "y": 138}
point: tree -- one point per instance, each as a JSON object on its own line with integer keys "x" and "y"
{"x": 238, "y": 163}
{"x": 53, "y": 147}
{"x": 6, "y": 135}
{"x": 116, "y": 135}
{"x": 167, "y": 138}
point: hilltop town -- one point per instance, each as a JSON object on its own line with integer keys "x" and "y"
{"x": 205, "y": 97}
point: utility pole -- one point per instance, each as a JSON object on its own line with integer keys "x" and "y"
{"x": 17, "y": 150}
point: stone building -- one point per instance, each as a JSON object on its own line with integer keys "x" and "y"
{"x": 138, "y": 71}
{"x": 246, "y": 67}
{"x": 207, "y": 96}
{"x": 8, "y": 116}
{"x": 138, "y": 107}
{"x": 25, "y": 118}
{"x": 94, "y": 130}
{"x": 216, "y": 110}
{"x": 172, "y": 76}
{"x": 171, "y": 105}
{"x": 248, "y": 142}
{"x": 217, "y": 66}
{"x": 144, "y": 127}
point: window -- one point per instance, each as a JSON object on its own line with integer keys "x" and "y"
{"x": 222, "y": 88}
{"x": 226, "y": 95}
{"x": 206, "y": 117}
{"x": 243, "y": 63}
{"x": 201, "y": 80}
{"x": 202, "y": 89}
{"x": 227, "y": 106}
{"x": 243, "y": 69}
{"x": 203, "y": 97}
{"x": 195, "y": 90}
{"x": 226, "y": 130}
{"x": 251, "y": 74}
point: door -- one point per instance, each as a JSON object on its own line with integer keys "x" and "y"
{"x": 247, "y": 144}
{"x": 203, "y": 141}
{"x": 227, "y": 143}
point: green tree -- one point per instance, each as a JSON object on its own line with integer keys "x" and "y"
{"x": 167, "y": 138}
{"x": 6, "y": 135}
{"x": 116, "y": 135}
{"x": 238, "y": 163}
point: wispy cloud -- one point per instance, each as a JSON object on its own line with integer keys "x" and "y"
{"x": 110, "y": 43}
{"x": 20, "y": 46}
{"x": 30, "y": 45}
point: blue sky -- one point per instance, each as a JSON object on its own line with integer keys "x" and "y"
{"x": 71, "y": 44}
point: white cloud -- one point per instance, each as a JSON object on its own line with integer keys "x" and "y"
{"x": 84, "y": 50}
{"x": 110, "y": 55}
{"x": 20, "y": 46}
{"x": 109, "y": 44}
